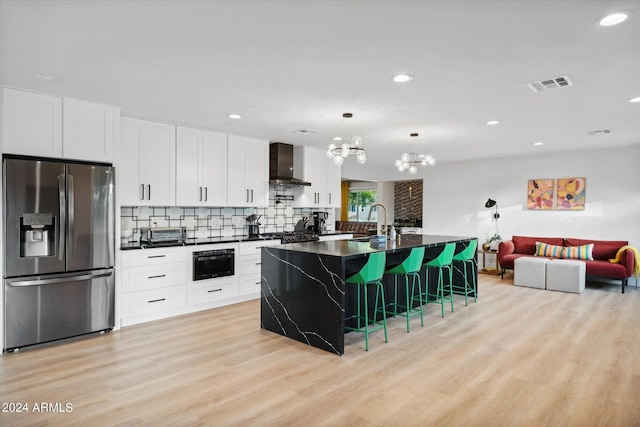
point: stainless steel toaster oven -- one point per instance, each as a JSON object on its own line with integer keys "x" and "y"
{"x": 163, "y": 234}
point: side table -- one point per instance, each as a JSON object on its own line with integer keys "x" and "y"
{"x": 489, "y": 270}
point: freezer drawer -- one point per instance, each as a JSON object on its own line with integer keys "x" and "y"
{"x": 46, "y": 308}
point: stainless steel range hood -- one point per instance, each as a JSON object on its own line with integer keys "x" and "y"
{"x": 281, "y": 166}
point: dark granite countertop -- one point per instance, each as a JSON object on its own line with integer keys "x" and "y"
{"x": 208, "y": 241}
{"x": 354, "y": 247}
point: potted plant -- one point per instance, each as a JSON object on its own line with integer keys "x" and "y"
{"x": 493, "y": 242}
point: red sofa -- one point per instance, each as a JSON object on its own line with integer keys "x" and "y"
{"x": 603, "y": 251}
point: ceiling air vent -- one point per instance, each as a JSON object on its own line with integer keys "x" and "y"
{"x": 544, "y": 85}
{"x": 306, "y": 131}
{"x": 596, "y": 132}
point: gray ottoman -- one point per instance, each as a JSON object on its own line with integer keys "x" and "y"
{"x": 530, "y": 272}
{"x": 566, "y": 275}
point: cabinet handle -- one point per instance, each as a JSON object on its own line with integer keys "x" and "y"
{"x": 157, "y": 277}
{"x": 149, "y": 192}
{"x": 206, "y": 193}
{"x": 252, "y": 195}
{"x": 214, "y": 290}
{"x": 258, "y": 263}
{"x": 157, "y": 300}
{"x": 247, "y": 196}
{"x": 329, "y": 198}
{"x": 156, "y": 256}
{"x": 258, "y": 283}
{"x": 200, "y": 193}
{"x": 141, "y": 191}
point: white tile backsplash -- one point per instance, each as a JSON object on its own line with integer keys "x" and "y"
{"x": 205, "y": 222}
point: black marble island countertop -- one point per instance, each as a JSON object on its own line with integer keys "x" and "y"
{"x": 303, "y": 291}
{"x": 355, "y": 247}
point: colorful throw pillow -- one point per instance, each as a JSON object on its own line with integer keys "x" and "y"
{"x": 527, "y": 245}
{"x": 546, "y": 249}
{"x": 602, "y": 249}
{"x": 579, "y": 252}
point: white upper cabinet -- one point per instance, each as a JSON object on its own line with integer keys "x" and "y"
{"x": 50, "y": 126}
{"x": 214, "y": 168}
{"x": 313, "y": 166}
{"x": 146, "y": 171}
{"x": 248, "y": 172}
{"x": 88, "y": 131}
{"x": 310, "y": 165}
{"x": 201, "y": 172}
{"x": 334, "y": 185}
{"x": 32, "y": 123}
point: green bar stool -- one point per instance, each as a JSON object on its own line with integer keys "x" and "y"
{"x": 467, "y": 257}
{"x": 409, "y": 267}
{"x": 370, "y": 274}
{"x": 443, "y": 260}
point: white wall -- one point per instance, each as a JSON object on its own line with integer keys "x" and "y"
{"x": 455, "y": 194}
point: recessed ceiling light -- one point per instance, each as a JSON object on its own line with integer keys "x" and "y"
{"x": 337, "y": 138}
{"x": 636, "y": 99}
{"x": 538, "y": 143}
{"x": 612, "y": 19}
{"x": 402, "y": 78}
{"x": 234, "y": 116}
{"x": 46, "y": 76}
{"x": 492, "y": 122}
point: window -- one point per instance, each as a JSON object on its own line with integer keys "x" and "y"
{"x": 360, "y": 201}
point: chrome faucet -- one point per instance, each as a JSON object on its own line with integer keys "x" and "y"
{"x": 385, "y": 215}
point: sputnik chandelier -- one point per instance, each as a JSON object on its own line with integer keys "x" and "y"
{"x": 410, "y": 161}
{"x": 355, "y": 148}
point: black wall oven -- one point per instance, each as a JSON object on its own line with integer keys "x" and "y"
{"x": 215, "y": 263}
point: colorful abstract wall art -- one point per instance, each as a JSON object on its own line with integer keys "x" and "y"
{"x": 540, "y": 194}
{"x": 570, "y": 194}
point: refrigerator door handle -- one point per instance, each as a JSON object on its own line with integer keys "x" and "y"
{"x": 62, "y": 203}
{"x": 39, "y": 282}
{"x": 71, "y": 214}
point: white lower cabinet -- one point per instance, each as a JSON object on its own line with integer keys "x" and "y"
{"x": 154, "y": 284}
{"x": 158, "y": 283}
{"x": 249, "y": 284}
{"x": 218, "y": 290}
{"x": 248, "y": 263}
{"x": 152, "y": 302}
{"x": 205, "y": 291}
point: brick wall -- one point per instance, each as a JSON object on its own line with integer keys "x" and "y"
{"x": 407, "y": 199}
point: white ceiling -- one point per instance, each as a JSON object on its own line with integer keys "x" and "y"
{"x": 291, "y": 65}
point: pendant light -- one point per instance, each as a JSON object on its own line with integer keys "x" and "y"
{"x": 409, "y": 161}
{"x": 354, "y": 148}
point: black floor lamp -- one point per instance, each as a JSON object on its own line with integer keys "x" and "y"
{"x": 493, "y": 204}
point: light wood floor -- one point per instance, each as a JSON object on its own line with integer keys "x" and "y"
{"x": 517, "y": 357}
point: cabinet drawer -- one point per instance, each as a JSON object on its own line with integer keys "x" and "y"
{"x": 154, "y": 256}
{"x": 249, "y": 284}
{"x": 153, "y": 277}
{"x": 253, "y": 247}
{"x": 212, "y": 289}
{"x": 155, "y": 301}
{"x": 249, "y": 264}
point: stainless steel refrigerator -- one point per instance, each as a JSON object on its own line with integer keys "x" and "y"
{"x": 59, "y": 220}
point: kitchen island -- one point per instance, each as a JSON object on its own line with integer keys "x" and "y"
{"x": 303, "y": 291}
